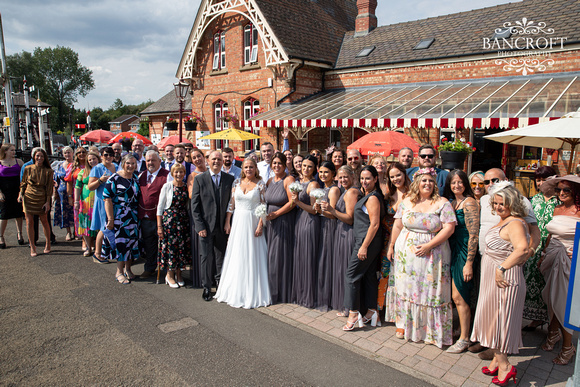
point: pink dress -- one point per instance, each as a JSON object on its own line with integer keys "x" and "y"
{"x": 498, "y": 317}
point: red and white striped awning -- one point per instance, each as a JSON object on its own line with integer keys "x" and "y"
{"x": 484, "y": 103}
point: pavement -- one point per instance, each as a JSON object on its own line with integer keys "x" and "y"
{"x": 64, "y": 320}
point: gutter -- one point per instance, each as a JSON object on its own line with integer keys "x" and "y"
{"x": 293, "y": 89}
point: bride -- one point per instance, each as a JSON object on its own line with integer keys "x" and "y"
{"x": 244, "y": 279}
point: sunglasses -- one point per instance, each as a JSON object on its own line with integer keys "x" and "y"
{"x": 352, "y": 158}
{"x": 480, "y": 185}
{"x": 567, "y": 191}
{"x": 427, "y": 156}
{"x": 494, "y": 180}
{"x": 108, "y": 154}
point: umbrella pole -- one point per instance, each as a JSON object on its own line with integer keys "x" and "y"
{"x": 572, "y": 155}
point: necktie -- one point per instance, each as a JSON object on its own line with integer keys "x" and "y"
{"x": 149, "y": 179}
{"x": 216, "y": 180}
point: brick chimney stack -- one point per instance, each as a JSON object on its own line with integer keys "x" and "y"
{"x": 366, "y": 20}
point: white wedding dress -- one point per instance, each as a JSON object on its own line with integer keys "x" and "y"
{"x": 244, "y": 279}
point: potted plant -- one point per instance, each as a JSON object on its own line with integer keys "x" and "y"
{"x": 453, "y": 153}
{"x": 231, "y": 118}
{"x": 171, "y": 124}
{"x": 191, "y": 121}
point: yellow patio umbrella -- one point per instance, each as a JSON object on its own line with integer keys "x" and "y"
{"x": 231, "y": 134}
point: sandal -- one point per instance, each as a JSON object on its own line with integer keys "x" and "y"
{"x": 100, "y": 260}
{"x": 128, "y": 277}
{"x": 351, "y": 324}
{"x": 400, "y": 333}
{"x": 342, "y": 314}
{"x": 87, "y": 253}
{"x": 551, "y": 340}
{"x": 120, "y": 278}
{"x": 68, "y": 237}
{"x": 20, "y": 239}
{"x": 565, "y": 355}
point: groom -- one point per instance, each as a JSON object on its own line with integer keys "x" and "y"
{"x": 209, "y": 203}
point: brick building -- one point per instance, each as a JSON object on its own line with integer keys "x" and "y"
{"x": 326, "y": 71}
{"x": 123, "y": 123}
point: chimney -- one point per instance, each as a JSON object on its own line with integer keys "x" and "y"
{"x": 366, "y": 20}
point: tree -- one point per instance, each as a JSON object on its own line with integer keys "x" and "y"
{"x": 58, "y": 75}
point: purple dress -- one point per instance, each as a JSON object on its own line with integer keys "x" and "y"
{"x": 280, "y": 239}
{"x": 10, "y": 186}
{"x": 307, "y": 234}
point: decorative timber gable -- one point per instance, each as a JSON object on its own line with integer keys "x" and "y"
{"x": 210, "y": 10}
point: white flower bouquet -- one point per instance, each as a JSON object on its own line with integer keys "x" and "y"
{"x": 295, "y": 187}
{"x": 261, "y": 211}
{"x": 317, "y": 194}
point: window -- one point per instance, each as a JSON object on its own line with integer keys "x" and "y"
{"x": 220, "y": 108}
{"x": 250, "y": 44}
{"x": 251, "y": 108}
{"x": 424, "y": 44}
{"x": 365, "y": 51}
{"x": 219, "y": 51}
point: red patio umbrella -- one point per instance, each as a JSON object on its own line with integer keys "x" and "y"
{"x": 99, "y": 135}
{"x": 172, "y": 140}
{"x": 121, "y": 135}
{"x": 385, "y": 143}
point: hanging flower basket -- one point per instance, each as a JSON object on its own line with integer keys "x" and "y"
{"x": 190, "y": 126}
{"x": 452, "y": 160}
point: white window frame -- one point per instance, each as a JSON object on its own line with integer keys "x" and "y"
{"x": 220, "y": 108}
{"x": 251, "y": 108}
{"x": 219, "y": 51}
{"x": 250, "y": 44}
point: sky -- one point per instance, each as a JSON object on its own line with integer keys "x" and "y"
{"x": 134, "y": 47}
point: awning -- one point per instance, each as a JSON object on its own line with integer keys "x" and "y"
{"x": 478, "y": 103}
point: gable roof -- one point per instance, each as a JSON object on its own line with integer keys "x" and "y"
{"x": 310, "y": 29}
{"x": 123, "y": 118}
{"x": 168, "y": 104}
{"x": 458, "y": 34}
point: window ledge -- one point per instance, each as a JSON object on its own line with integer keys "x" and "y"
{"x": 251, "y": 66}
{"x": 218, "y": 72}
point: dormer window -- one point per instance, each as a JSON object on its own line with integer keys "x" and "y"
{"x": 424, "y": 44}
{"x": 250, "y": 44}
{"x": 219, "y": 51}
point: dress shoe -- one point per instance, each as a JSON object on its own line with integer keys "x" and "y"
{"x": 476, "y": 348}
{"x": 207, "y": 294}
{"x": 147, "y": 274}
{"x": 171, "y": 285}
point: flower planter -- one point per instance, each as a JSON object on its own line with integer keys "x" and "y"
{"x": 171, "y": 125}
{"x": 190, "y": 126}
{"x": 452, "y": 160}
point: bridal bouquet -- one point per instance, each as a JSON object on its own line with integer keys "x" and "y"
{"x": 261, "y": 211}
{"x": 295, "y": 187}
{"x": 317, "y": 194}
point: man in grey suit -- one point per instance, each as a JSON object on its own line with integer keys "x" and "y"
{"x": 209, "y": 203}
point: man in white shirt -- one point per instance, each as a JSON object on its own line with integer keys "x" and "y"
{"x": 138, "y": 148}
{"x": 179, "y": 153}
{"x": 229, "y": 166}
{"x": 267, "y": 152}
{"x": 169, "y": 157}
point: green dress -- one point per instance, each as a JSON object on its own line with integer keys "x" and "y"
{"x": 534, "y": 306}
{"x": 458, "y": 242}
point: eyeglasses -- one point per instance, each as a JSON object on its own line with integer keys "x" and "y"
{"x": 427, "y": 156}
{"x": 494, "y": 180}
{"x": 480, "y": 185}
{"x": 567, "y": 191}
{"x": 352, "y": 158}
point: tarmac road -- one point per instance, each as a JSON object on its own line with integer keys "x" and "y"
{"x": 64, "y": 320}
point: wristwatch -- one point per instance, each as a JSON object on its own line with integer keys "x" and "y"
{"x": 501, "y": 268}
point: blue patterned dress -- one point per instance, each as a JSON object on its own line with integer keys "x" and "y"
{"x": 123, "y": 192}
{"x": 63, "y": 211}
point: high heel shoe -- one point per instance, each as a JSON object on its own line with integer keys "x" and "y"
{"x": 180, "y": 283}
{"x": 487, "y": 371}
{"x": 565, "y": 355}
{"x": 374, "y": 319}
{"x": 20, "y": 239}
{"x": 349, "y": 327}
{"x": 3, "y": 244}
{"x": 172, "y": 286}
{"x": 512, "y": 374}
{"x": 551, "y": 340}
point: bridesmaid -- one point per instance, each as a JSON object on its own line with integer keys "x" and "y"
{"x": 307, "y": 234}
{"x": 344, "y": 238}
{"x": 280, "y": 236}
{"x": 398, "y": 184}
{"x": 326, "y": 174}
{"x": 380, "y": 164}
{"x": 84, "y": 203}
{"x": 198, "y": 160}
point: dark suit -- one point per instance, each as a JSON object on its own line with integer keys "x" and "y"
{"x": 208, "y": 210}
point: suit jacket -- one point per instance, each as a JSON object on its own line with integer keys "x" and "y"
{"x": 203, "y": 201}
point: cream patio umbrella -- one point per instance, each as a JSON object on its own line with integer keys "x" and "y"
{"x": 563, "y": 133}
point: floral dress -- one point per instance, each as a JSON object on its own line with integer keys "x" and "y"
{"x": 175, "y": 246}
{"x": 86, "y": 203}
{"x": 63, "y": 211}
{"x": 534, "y": 307}
{"x": 123, "y": 193}
{"x": 420, "y": 300}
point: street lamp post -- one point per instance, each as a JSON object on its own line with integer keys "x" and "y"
{"x": 181, "y": 89}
